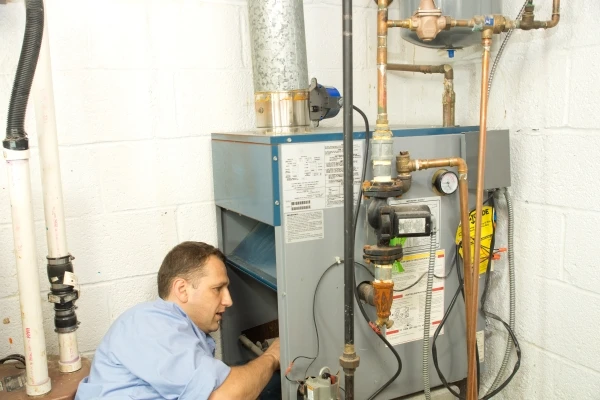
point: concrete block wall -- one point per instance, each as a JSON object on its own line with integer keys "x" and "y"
{"x": 141, "y": 84}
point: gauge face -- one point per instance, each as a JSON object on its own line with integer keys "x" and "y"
{"x": 449, "y": 183}
{"x": 445, "y": 182}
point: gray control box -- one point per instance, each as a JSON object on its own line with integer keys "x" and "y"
{"x": 497, "y": 158}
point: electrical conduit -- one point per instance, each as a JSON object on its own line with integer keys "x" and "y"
{"x": 427, "y": 321}
{"x": 512, "y": 287}
{"x": 16, "y": 154}
{"x": 56, "y": 235}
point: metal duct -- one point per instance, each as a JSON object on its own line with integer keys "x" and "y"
{"x": 279, "y": 64}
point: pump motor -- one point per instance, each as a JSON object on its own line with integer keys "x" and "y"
{"x": 324, "y": 102}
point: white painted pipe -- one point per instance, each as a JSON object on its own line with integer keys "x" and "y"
{"x": 56, "y": 234}
{"x": 70, "y": 359}
{"x": 19, "y": 185}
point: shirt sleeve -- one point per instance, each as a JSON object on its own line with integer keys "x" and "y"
{"x": 163, "y": 350}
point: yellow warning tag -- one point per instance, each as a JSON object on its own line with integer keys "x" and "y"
{"x": 487, "y": 231}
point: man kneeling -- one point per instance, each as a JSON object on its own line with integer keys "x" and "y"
{"x": 162, "y": 350}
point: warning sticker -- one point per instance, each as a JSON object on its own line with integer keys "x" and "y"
{"x": 418, "y": 244}
{"x": 313, "y": 175}
{"x": 303, "y": 226}
{"x": 487, "y": 231}
{"x": 408, "y": 307}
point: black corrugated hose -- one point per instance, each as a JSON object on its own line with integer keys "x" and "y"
{"x": 16, "y": 137}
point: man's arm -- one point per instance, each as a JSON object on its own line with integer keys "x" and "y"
{"x": 248, "y": 381}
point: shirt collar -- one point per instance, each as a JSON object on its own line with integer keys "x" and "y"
{"x": 199, "y": 333}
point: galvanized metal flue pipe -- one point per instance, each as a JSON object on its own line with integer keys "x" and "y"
{"x": 448, "y": 97}
{"x": 279, "y": 64}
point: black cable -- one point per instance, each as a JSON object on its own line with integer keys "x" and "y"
{"x": 491, "y": 315}
{"x": 360, "y": 306}
{"x": 365, "y": 267}
{"x": 365, "y": 161}
{"x": 448, "y": 274}
{"x": 359, "y": 303}
{"x": 14, "y": 357}
{"x": 315, "y": 325}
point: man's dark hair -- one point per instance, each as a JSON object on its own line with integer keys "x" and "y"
{"x": 186, "y": 260}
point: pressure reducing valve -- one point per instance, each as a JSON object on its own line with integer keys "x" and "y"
{"x": 322, "y": 387}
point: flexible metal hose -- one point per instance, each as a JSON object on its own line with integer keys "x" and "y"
{"x": 427, "y": 321}
{"x": 501, "y": 50}
{"x": 511, "y": 274}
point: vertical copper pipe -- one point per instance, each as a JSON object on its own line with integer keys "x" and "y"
{"x": 555, "y": 15}
{"x": 463, "y": 187}
{"x": 448, "y": 98}
{"x": 382, "y": 15}
{"x": 474, "y": 272}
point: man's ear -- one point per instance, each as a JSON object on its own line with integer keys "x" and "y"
{"x": 179, "y": 289}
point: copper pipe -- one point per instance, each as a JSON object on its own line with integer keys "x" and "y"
{"x": 463, "y": 191}
{"x": 404, "y": 23}
{"x": 473, "y": 272}
{"x": 425, "y": 69}
{"x": 382, "y": 116}
{"x": 555, "y": 15}
{"x": 527, "y": 22}
{"x": 448, "y": 98}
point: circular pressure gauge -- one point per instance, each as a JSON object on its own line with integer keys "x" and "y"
{"x": 445, "y": 182}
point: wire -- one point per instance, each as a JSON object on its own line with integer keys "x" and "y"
{"x": 358, "y": 302}
{"x": 14, "y": 357}
{"x": 488, "y": 314}
{"x": 365, "y": 161}
{"x": 356, "y": 298}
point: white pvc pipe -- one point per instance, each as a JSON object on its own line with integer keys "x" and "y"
{"x": 19, "y": 184}
{"x": 56, "y": 234}
{"x": 43, "y": 100}
{"x": 70, "y": 360}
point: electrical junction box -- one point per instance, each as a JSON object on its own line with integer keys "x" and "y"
{"x": 497, "y": 159}
{"x": 279, "y": 203}
{"x": 412, "y": 220}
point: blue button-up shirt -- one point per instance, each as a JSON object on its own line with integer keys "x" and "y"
{"x": 154, "y": 351}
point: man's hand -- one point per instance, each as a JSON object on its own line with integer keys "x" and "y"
{"x": 274, "y": 351}
{"x": 246, "y": 382}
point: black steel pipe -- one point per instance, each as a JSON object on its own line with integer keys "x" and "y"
{"x": 349, "y": 354}
{"x": 348, "y": 177}
{"x": 16, "y": 138}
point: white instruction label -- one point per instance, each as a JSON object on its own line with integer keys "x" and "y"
{"x": 481, "y": 345}
{"x": 408, "y": 307}
{"x": 312, "y": 175}
{"x": 418, "y": 244}
{"x": 303, "y": 226}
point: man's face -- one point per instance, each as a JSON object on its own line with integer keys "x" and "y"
{"x": 208, "y": 296}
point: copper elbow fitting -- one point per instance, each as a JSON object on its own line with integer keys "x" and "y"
{"x": 403, "y": 170}
{"x": 384, "y": 295}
